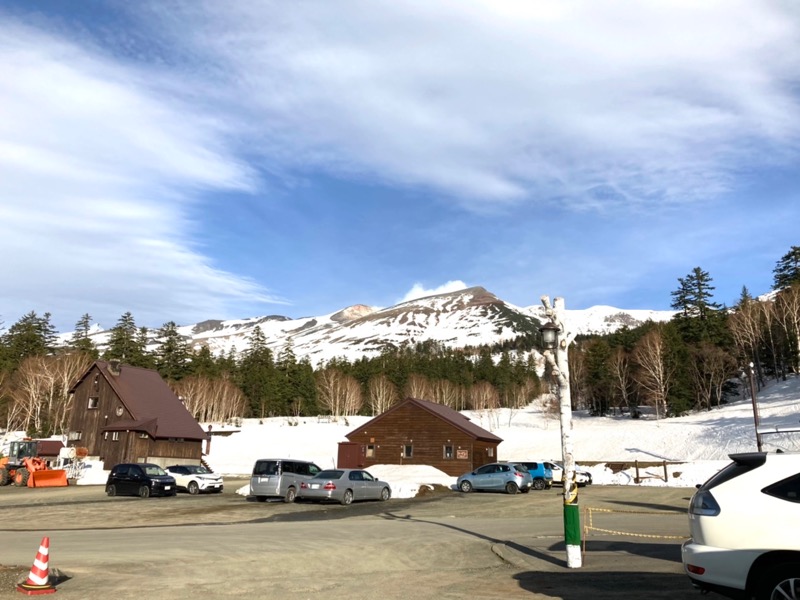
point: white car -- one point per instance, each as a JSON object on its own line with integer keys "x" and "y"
{"x": 195, "y": 478}
{"x": 745, "y": 528}
{"x": 582, "y": 478}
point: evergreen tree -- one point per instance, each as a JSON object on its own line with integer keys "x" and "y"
{"x": 128, "y": 344}
{"x": 80, "y": 338}
{"x": 699, "y": 317}
{"x": 32, "y": 335}
{"x": 257, "y": 375}
{"x": 172, "y": 356}
{"x": 787, "y": 270}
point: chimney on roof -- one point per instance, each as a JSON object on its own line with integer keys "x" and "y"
{"x": 114, "y": 367}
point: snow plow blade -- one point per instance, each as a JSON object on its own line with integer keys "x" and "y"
{"x": 48, "y": 478}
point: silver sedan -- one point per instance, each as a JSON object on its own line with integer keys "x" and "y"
{"x": 344, "y": 486}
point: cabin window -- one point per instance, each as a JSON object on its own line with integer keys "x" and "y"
{"x": 94, "y": 402}
{"x": 408, "y": 451}
{"x": 490, "y": 452}
{"x": 144, "y": 436}
{"x": 105, "y": 435}
{"x": 370, "y": 451}
{"x": 74, "y": 435}
{"x": 447, "y": 452}
{"x": 115, "y": 436}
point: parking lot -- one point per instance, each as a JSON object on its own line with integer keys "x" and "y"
{"x": 441, "y": 545}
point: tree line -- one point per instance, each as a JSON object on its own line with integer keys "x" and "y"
{"x": 691, "y": 362}
{"x": 700, "y": 358}
{"x": 36, "y": 374}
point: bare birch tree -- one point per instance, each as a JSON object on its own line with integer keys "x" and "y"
{"x": 787, "y": 305}
{"x": 653, "y": 374}
{"x": 382, "y": 393}
{"x": 418, "y": 386}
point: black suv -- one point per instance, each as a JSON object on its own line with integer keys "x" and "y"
{"x": 140, "y": 479}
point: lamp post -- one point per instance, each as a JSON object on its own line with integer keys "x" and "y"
{"x": 555, "y": 352}
{"x": 751, "y": 375}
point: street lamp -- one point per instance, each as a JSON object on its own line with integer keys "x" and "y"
{"x": 555, "y": 352}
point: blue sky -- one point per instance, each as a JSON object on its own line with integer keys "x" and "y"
{"x": 200, "y": 159}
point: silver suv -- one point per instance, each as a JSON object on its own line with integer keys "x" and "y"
{"x": 744, "y": 524}
{"x": 280, "y": 478}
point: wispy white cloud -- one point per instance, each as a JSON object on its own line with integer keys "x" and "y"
{"x": 420, "y": 291}
{"x": 591, "y": 103}
{"x": 97, "y": 170}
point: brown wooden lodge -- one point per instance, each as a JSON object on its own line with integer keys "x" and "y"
{"x": 129, "y": 414}
{"x": 418, "y": 432}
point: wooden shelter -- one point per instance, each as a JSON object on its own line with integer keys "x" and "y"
{"x": 129, "y": 414}
{"x": 418, "y": 432}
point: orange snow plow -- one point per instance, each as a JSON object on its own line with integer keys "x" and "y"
{"x": 35, "y": 473}
{"x": 24, "y": 468}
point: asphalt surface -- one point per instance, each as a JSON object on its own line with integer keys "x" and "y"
{"x": 442, "y": 545}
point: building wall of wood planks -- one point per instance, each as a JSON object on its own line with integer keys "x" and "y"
{"x": 95, "y": 405}
{"x": 431, "y": 441}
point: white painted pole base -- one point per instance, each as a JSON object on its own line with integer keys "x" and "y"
{"x": 574, "y": 558}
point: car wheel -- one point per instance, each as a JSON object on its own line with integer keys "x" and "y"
{"x": 193, "y": 488}
{"x": 511, "y": 488}
{"x": 348, "y": 497}
{"x": 144, "y": 492}
{"x": 781, "y": 582}
{"x": 111, "y": 490}
{"x": 386, "y": 493}
{"x": 539, "y": 484}
{"x": 465, "y": 487}
{"x": 290, "y": 496}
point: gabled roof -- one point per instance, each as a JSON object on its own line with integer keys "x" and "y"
{"x": 445, "y": 413}
{"x": 153, "y": 406}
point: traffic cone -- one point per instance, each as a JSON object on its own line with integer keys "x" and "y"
{"x": 38, "y": 581}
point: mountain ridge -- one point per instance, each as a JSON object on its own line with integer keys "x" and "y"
{"x": 469, "y": 317}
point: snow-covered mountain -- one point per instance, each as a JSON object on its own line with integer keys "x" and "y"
{"x": 469, "y": 317}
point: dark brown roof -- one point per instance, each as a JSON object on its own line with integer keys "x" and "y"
{"x": 49, "y": 447}
{"x": 445, "y": 413}
{"x": 153, "y": 405}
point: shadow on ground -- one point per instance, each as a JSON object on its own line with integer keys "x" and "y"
{"x": 580, "y": 585}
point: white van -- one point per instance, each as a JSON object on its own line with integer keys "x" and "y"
{"x": 280, "y": 478}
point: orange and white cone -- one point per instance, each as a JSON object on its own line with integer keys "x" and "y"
{"x": 38, "y": 581}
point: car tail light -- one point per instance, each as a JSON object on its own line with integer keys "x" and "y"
{"x": 518, "y": 474}
{"x": 329, "y": 486}
{"x": 704, "y": 504}
{"x": 695, "y": 569}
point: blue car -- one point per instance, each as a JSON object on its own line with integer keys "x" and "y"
{"x": 541, "y": 473}
{"x": 500, "y": 476}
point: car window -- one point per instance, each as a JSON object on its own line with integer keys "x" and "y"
{"x": 367, "y": 476}
{"x": 154, "y": 470}
{"x": 121, "y": 470}
{"x": 313, "y": 469}
{"x": 302, "y": 469}
{"x": 485, "y": 469}
{"x": 503, "y": 468}
{"x": 787, "y": 489}
{"x": 195, "y": 470}
{"x": 356, "y": 476}
{"x": 329, "y": 474}
{"x": 266, "y": 467}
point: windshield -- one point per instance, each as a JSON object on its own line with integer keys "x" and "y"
{"x": 153, "y": 470}
{"x": 197, "y": 470}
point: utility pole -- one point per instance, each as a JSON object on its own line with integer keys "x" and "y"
{"x": 556, "y": 353}
{"x": 751, "y": 375}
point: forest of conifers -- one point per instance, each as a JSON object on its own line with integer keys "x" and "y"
{"x": 693, "y": 362}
